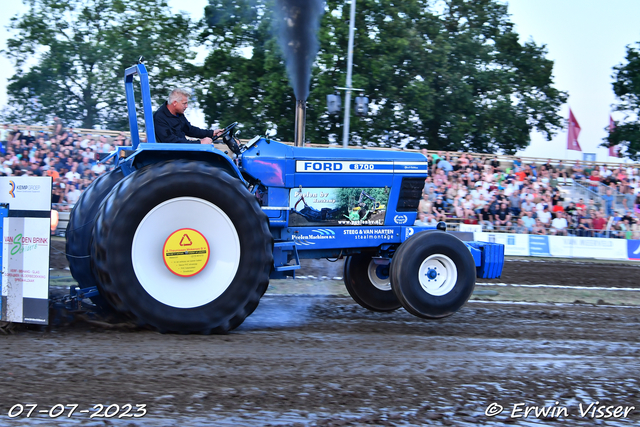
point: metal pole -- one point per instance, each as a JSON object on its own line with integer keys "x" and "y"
{"x": 301, "y": 112}
{"x": 347, "y": 103}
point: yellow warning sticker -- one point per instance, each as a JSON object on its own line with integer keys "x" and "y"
{"x": 186, "y": 252}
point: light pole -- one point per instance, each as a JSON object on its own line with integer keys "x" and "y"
{"x": 347, "y": 104}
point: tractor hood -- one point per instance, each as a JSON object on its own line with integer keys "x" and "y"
{"x": 279, "y": 164}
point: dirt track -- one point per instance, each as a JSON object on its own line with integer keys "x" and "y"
{"x": 324, "y": 361}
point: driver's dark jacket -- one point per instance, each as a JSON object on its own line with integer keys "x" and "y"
{"x": 170, "y": 128}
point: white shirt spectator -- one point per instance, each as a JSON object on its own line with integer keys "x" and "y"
{"x": 559, "y": 223}
{"x": 509, "y": 189}
{"x": 527, "y": 195}
{"x": 6, "y": 170}
{"x": 73, "y": 196}
{"x": 479, "y": 204}
{"x": 98, "y": 168}
{"x": 479, "y": 191}
{"x": 72, "y": 176}
{"x": 545, "y": 216}
{"x": 468, "y": 204}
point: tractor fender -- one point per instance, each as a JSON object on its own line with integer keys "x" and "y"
{"x": 147, "y": 154}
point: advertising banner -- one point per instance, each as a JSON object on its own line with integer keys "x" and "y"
{"x": 633, "y": 249}
{"x": 338, "y": 206}
{"x": 26, "y": 193}
{"x": 539, "y": 246}
{"x": 25, "y": 268}
{"x": 563, "y": 246}
{"x": 514, "y": 244}
{"x": 344, "y": 237}
{"x": 587, "y": 247}
{"x": 474, "y": 228}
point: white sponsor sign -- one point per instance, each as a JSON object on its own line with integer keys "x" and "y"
{"x": 472, "y": 228}
{"x": 587, "y": 247}
{"x": 558, "y": 246}
{"x": 514, "y": 244}
{"x": 26, "y": 192}
{"x": 25, "y": 270}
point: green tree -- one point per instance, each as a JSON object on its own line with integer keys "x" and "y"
{"x": 455, "y": 78}
{"x": 627, "y": 89}
{"x": 79, "y": 50}
{"x": 252, "y": 90}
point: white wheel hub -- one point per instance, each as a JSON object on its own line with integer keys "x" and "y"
{"x": 438, "y": 275}
{"x": 379, "y": 276}
{"x": 149, "y": 264}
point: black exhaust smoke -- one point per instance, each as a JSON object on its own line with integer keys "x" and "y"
{"x": 298, "y": 22}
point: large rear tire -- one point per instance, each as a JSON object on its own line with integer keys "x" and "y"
{"x": 196, "y": 202}
{"x": 433, "y": 274}
{"x": 368, "y": 283}
{"x": 78, "y": 234}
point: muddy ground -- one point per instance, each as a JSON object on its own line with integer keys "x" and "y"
{"x": 305, "y": 360}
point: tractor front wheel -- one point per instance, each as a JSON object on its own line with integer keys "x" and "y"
{"x": 433, "y": 274}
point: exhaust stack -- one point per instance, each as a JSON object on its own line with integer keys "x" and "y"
{"x": 301, "y": 113}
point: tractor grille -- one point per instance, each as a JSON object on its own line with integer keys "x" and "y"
{"x": 410, "y": 194}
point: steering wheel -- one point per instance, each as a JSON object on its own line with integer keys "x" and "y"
{"x": 228, "y": 139}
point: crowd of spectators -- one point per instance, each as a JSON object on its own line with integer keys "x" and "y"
{"x": 527, "y": 198}
{"x": 69, "y": 158}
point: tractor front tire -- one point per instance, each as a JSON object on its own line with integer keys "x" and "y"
{"x": 433, "y": 274}
{"x": 79, "y": 229}
{"x": 208, "y": 210}
{"x": 368, "y": 283}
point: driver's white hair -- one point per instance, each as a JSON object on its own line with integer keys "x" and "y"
{"x": 177, "y": 93}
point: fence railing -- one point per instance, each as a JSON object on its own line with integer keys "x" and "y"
{"x": 589, "y": 232}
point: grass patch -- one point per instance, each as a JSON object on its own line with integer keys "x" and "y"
{"x": 551, "y": 295}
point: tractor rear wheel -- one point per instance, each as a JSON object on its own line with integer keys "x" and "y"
{"x": 184, "y": 247}
{"x": 78, "y": 234}
{"x": 368, "y": 283}
{"x": 433, "y": 274}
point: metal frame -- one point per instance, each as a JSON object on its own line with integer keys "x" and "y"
{"x": 140, "y": 70}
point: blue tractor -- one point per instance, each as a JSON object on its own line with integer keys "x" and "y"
{"x": 185, "y": 237}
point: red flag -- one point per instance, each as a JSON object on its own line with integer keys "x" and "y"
{"x": 615, "y": 149}
{"x": 574, "y": 131}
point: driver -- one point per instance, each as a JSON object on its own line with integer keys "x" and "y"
{"x": 172, "y": 126}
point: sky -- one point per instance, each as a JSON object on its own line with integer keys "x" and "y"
{"x": 584, "y": 38}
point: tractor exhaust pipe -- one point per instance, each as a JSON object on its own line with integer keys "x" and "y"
{"x": 301, "y": 113}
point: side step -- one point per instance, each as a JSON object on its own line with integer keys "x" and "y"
{"x": 283, "y": 254}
